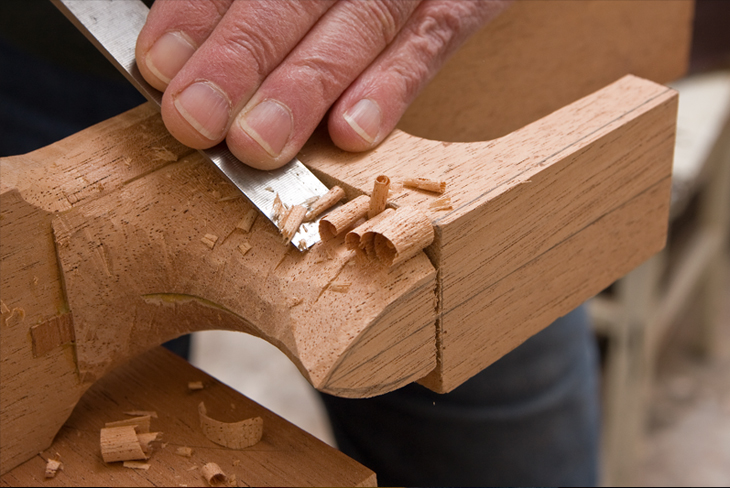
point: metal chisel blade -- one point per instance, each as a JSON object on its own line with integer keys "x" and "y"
{"x": 113, "y": 27}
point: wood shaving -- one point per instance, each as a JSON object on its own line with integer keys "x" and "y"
{"x": 136, "y": 465}
{"x": 3, "y": 308}
{"x": 152, "y": 414}
{"x": 184, "y": 451}
{"x": 17, "y": 315}
{"x": 426, "y": 184}
{"x": 120, "y": 444}
{"x": 127, "y": 160}
{"x": 244, "y": 248}
{"x": 247, "y": 221}
{"x": 441, "y": 204}
{"x": 145, "y": 439}
{"x": 195, "y": 385}
{"x": 193, "y": 468}
{"x": 277, "y": 208}
{"x": 340, "y": 287}
{"x": 325, "y": 202}
{"x": 238, "y": 435}
{"x": 52, "y": 467}
{"x": 209, "y": 240}
{"x": 290, "y": 225}
{"x": 302, "y": 245}
{"x": 141, "y": 423}
{"x": 213, "y": 474}
{"x": 236, "y": 462}
{"x": 343, "y": 217}
{"x": 164, "y": 154}
{"x": 380, "y": 196}
{"x": 228, "y": 198}
{"x": 269, "y": 188}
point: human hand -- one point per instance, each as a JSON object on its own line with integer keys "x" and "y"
{"x": 263, "y": 74}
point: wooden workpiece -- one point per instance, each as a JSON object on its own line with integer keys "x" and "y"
{"x": 119, "y": 238}
{"x": 285, "y": 457}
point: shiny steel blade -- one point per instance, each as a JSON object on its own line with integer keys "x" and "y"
{"x": 113, "y": 26}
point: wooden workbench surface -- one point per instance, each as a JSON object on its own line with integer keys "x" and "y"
{"x": 158, "y": 381}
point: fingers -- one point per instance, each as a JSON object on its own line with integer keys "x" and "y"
{"x": 372, "y": 106}
{"x": 246, "y": 44}
{"x": 279, "y": 118}
{"x": 173, "y": 31}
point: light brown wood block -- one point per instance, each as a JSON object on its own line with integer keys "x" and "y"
{"x": 157, "y": 380}
{"x": 507, "y": 255}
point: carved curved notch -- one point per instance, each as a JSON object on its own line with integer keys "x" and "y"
{"x": 167, "y": 255}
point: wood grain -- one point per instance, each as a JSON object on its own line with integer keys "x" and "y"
{"x": 285, "y": 457}
{"x": 119, "y": 238}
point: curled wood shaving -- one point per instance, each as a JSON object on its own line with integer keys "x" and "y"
{"x": 247, "y": 221}
{"x": 136, "y": 465}
{"x": 120, "y": 444}
{"x": 244, "y": 248}
{"x": 238, "y": 435}
{"x": 398, "y": 236}
{"x": 343, "y": 217}
{"x": 195, "y": 385}
{"x": 380, "y": 196}
{"x": 151, "y": 414}
{"x": 52, "y": 467}
{"x": 209, "y": 240}
{"x": 184, "y": 451}
{"x": 141, "y": 423}
{"x": 214, "y": 474}
{"x": 426, "y": 184}
{"x": 441, "y": 204}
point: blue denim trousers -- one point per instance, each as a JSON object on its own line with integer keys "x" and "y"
{"x": 530, "y": 419}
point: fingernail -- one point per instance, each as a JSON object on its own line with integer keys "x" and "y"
{"x": 364, "y": 118}
{"x": 269, "y": 124}
{"x": 169, "y": 54}
{"x": 205, "y": 107}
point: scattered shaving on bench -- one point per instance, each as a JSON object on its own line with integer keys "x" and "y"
{"x": 209, "y": 240}
{"x": 238, "y": 435}
{"x": 325, "y": 202}
{"x": 184, "y": 451}
{"x": 120, "y": 444}
{"x": 398, "y": 237}
{"x": 136, "y": 465}
{"x": 294, "y": 219}
{"x": 213, "y": 474}
{"x": 243, "y": 248}
{"x": 247, "y": 221}
{"x": 141, "y": 423}
{"x": 152, "y": 414}
{"x": 426, "y": 184}
{"x": 343, "y": 217}
{"x": 379, "y": 197}
{"x": 441, "y": 204}
{"x": 52, "y": 467}
{"x": 195, "y": 385}
{"x": 145, "y": 439}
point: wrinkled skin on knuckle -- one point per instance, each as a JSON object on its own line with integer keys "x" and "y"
{"x": 384, "y": 16}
